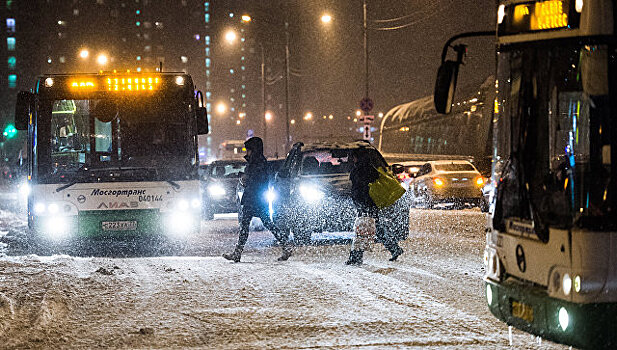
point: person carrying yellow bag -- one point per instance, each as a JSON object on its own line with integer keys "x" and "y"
{"x": 362, "y": 175}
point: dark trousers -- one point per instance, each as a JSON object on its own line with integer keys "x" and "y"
{"x": 384, "y": 235}
{"x": 245, "y": 220}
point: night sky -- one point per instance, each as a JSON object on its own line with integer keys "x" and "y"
{"x": 327, "y": 61}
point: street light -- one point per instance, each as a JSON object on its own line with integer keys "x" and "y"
{"x": 268, "y": 116}
{"x": 231, "y": 36}
{"x": 246, "y": 18}
{"x": 102, "y": 59}
{"x": 326, "y": 18}
{"x": 221, "y": 108}
{"x": 308, "y": 116}
{"x": 84, "y": 53}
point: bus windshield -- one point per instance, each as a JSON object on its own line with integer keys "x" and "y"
{"x": 106, "y": 133}
{"x": 554, "y": 136}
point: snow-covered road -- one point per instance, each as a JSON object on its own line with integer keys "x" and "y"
{"x": 432, "y": 297}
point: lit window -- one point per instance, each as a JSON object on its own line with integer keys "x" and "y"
{"x": 138, "y": 23}
{"x": 197, "y": 37}
{"x": 207, "y": 6}
{"x": 231, "y": 15}
{"x": 62, "y": 59}
{"x": 207, "y": 51}
{"x": 10, "y": 25}
{"x": 207, "y": 17}
{"x": 243, "y": 68}
{"x": 243, "y": 96}
{"x": 75, "y": 12}
{"x": 139, "y": 58}
{"x": 12, "y": 62}
{"x": 231, "y": 71}
{"x": 208, "y": 61}
{"x": 139, "y": 69}
{"x": 49, "y": 60}
{"x": 207, "y": 39}
{"x": 12, "y": 80}
{"x": 207, "y": 72}
{"x": 208, "y": 105}
{"x": 10, "y": 44}
{"x": 137, "y": 12}
{"x": 243, "y": 86}
{"x": 184, "y": 59}
{"x": 208, "y": 95}
{"x": 148, "y": 48}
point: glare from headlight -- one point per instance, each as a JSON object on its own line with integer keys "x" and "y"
{"x": 53, "y": 208}
{"x": 311, "y": 193}
{"x": 39, "y": 208}
{"x": 216, "y": 190}
{"x": 564, "y": 318}
{"x": 566, "y": 284}
{"x": 270, "y": 195}
{"x": 577, "y": 284}
{"x": 24, "y": 189}
{"x": 180, "y": 223}
{"x": 183, "y": 204}
{"x": 195, "y": 203}
{"x": 56, "y": 227}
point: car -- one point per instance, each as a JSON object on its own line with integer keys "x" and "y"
{"x": 448, "y": 181}
{"x": 219, "y": 184}
{"x": 406, "y": 171}
{"x": 312, "y": 192}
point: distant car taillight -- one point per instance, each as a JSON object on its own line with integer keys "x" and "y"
{"x": 438, "y": 182}
{"x": 403, "y": 176}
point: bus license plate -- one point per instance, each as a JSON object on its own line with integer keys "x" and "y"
{"x": 522, "y": 311}
{"x": 119, "y": 225}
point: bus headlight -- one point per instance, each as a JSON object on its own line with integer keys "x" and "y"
{"x": 182, "y": 204}
{"x": 195, "y": 203}
{"x": 216, "y": 190}
{"x": 566, "y": 284}
{"x": 180, "y": 223}
{"x": 564, "y": 318}
{"x": 57, "y": 227}
{"x": 489, "y": 294}
{"x": 311, "y": 193}
{"x": 24, "y": 189}
{"x": 39, "y": 208}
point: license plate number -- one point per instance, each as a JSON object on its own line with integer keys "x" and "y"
{"x": 522, "y": 311}
{"x": 119, "y": 225}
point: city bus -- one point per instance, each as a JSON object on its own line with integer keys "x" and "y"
{"x": 551, "y": 243}
{"x": 112, "y": 154}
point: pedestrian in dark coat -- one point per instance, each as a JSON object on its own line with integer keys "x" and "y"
{"x": 362, "y": 174}
{"x": 254, "y": 203}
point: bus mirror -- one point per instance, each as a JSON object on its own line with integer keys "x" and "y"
{"x": 25, "y": 102}
{"x": 202, "y": 114}
{"x": 202, "y": 121}
{"x": 397, "y": 169}
{"x": 445, "y": 85}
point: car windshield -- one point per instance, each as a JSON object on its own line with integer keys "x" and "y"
{"x": 227, "y": 171}
{"x": 454, "y": 167}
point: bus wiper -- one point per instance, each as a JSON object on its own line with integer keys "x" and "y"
{"x": 175, "y": 185}
{"x": 80, "y": 174}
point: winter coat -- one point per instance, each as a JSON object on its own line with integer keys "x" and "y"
{"x": 362, "y": 174}
{"x": 256, "y": 177}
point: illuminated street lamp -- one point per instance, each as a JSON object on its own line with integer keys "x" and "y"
{"x": 231, "y": 36}
{"x": 102, "y": 59}
{"x": 84, "y": 53}
{"x": 308, "y": 116}
{"x": 326, "y": 18}
{"x": 358, "y": 113}
{"x": 221, "y": 108}
{"x": 246, "y": 18}
{"x": 268, "y": 116}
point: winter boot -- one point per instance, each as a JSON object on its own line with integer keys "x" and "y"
{"x": 286, "y": 254}
{"x": 355, "y": 257}
{"x": 235, "y": 256}
{"x": 396, "y": 254}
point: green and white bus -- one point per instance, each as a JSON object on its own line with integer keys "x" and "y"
{"x": 551, "y": 244}
{"x": 112, "y": 154}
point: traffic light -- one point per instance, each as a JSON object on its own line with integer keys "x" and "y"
{"x": 9, "y": 131}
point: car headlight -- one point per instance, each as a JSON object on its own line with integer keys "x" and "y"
{"x": 311, "y": 193}
{"x": 24, "y": 189}
{"x": 270, "y": 195}
{"x": 216, "y": 190}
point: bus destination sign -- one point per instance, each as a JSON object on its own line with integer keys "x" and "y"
{"x": 538, "y": 16}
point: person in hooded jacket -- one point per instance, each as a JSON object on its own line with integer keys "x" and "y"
{"x": 362, "y": 174}
{"x": 254, "y": 203}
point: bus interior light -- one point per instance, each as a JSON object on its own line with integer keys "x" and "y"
{"x": 49, "y": 82}
{"x": 180, "y": 80}
{"x": 501, "y": 12}
{"x": 579, "y": 6}
{"x": 566, "y": 284}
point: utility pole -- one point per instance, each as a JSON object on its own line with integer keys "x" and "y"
{"x": 365, "y": 55}
{"x": 287, "y": 136}
{"x": 263, "y": 96}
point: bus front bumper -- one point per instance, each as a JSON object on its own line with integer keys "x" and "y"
{"x": 120, "y": 223}
{"x": 588, "y": 326}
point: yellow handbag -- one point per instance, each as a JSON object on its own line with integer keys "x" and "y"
{"x": 386, "y": 190}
